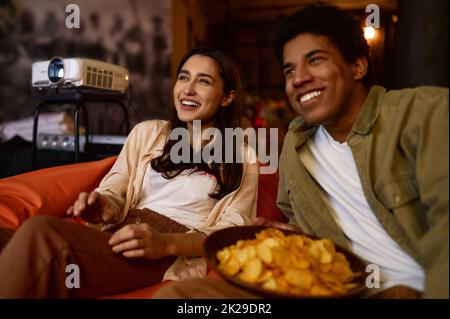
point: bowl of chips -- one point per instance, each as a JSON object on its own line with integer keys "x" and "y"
{"x": 275, "y": 263}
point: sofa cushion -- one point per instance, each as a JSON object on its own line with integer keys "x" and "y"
{"x": 47, "y": 191}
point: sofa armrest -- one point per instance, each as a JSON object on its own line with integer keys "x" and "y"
{"x": 47, "y": 191}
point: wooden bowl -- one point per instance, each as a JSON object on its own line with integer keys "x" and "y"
{"x": 229, "y": 236}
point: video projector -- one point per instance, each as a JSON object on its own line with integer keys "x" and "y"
{"x": 79, "y": 72}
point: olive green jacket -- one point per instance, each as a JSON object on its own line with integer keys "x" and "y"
{"x": 400, "y": 145}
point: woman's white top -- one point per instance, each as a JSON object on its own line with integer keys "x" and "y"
{"x": 184, "y": 198}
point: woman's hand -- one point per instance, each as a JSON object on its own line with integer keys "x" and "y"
{"x": 94, "y": 208}
{"x": 140, "y": 240}
{"x": 261, "y": 221}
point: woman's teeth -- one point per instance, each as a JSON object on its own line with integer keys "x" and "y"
{"x": 190, "y": 103}
{"x": 309, "y": 96}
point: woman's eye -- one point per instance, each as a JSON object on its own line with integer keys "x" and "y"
{"x": 204, "y": 81}
{"x": 182, "y": 77}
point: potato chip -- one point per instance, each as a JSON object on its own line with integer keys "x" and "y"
{"x": 340, "y": 257}
{"x": 265, "y": 276}
{"x": 271, "y": 242}
{"x": 320, "y": 290}
{"x": 298, "y": 241}
{"x": 251, "y": 270}
{"x": 282, "y": 285}
{"x": 223, "y": 255}
{"x": 302, "y": 263}
{"x": 335, "y": 286}
{"x": 231, "y": 267}
{"x": 264, "y": 252}
{"x": 325, "y": 267}
{"x": 240, "y": 243}
{"x": 342, "y": 271}
{"x": 270, "y": 284}
{"x": 320, "y": 251}
{"x": 300, "y": 278}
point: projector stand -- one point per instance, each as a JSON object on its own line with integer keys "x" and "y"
{"x": 77, "y": 97}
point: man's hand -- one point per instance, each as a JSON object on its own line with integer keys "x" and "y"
{"x": 140, "y": 240}
{"x": 261, "y": 221}
{"x": 94, "y": 208}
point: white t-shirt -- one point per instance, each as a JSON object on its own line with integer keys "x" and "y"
{"x": 333, "y": 167}
{"x": 184, "y": 198}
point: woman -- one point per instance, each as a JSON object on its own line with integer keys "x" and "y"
{"x": 154, "y": 213}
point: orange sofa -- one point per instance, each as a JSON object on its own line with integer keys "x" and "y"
{"x": 51, "y": 191}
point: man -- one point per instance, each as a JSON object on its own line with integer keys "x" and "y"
{"x": 362, "y": 166}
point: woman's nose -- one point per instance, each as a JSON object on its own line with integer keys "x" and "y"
{"x": 189, "y": 88}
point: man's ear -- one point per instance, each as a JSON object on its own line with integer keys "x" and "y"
{"x": 228, "y": 98}
{"x": 359, "y": 68}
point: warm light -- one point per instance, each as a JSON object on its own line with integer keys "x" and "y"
{"x": 369, "y": 33}
{"x": 394, "y": 18}
{"x": 126, "y": 77}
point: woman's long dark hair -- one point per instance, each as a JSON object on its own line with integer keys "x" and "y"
{"x": 228, "y": 175}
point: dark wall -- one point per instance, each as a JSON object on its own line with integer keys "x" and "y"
{"x": 422, "y": 45}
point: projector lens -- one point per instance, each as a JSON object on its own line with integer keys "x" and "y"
{"x": 56, "y": 70}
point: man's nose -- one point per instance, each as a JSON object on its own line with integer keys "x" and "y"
{"x": 302, "y": 75}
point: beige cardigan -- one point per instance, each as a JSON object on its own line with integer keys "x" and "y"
{"x": 123, "y": 184}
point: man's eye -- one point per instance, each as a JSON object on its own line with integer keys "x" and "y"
{"x": 182, "y": 77}
{"x": 315, "y": 60}
{"x": 288, "y": 72}
{"x": 204, "y": 81}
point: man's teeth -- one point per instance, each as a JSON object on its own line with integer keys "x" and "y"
{"x": 190, "y": 103}
{"x": 309, "y": 96}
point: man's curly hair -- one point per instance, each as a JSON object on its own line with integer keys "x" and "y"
{"x": 340, "y": 27}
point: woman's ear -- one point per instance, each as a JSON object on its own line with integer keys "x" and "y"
{"x": 229, "y": 97}
{"x": 359, "y": 68}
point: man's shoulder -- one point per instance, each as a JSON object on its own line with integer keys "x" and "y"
{"x": 421, "y": 95}
{"x": 430, "y": 90}
{"x": 298, "y": 133}
{"x": 298, "y": 124}
{"x": 414, "y": 107}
